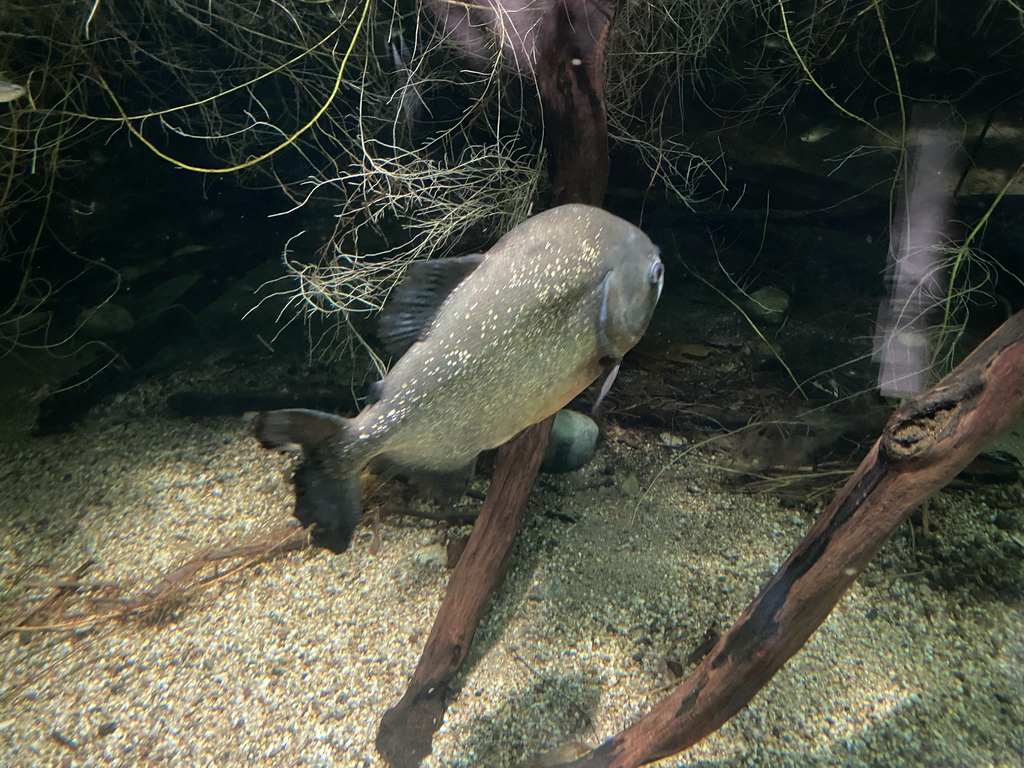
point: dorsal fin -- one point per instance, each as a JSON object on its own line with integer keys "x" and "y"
{"x": 413, "y": 304}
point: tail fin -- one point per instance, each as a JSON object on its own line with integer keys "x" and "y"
{"x": 327, "y": 487}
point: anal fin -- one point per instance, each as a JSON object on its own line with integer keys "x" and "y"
{"x": 443, "y": 486}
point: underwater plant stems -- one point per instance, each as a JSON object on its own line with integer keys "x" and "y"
{"x": 923, "y": 446}
{"x": 289, "y": 141}
{"x": 963, "y": 253}
{"x": 407, "y": 729}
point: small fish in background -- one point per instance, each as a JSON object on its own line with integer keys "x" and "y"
{"x": 490, "y": 344}
{"x": 9, "y": 91}
{"x": 818, "y": 132}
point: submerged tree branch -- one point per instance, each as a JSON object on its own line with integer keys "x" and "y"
{"x": 924, "y": 445}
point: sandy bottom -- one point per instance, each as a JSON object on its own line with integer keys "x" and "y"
{"x": 293, "y": 661}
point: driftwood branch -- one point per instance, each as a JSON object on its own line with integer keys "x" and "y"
{"x": 407, "y": 729}
{"x": 924, "y": 445}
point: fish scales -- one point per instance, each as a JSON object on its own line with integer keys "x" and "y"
{"x": 557, "y": 300}
{"x": 479, "y": 363}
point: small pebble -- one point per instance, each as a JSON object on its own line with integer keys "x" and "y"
{"x": 672, "y": 441}
{"x": 572, "y": 443}
{"x": 768, "y": 304}
{"x": 432, "y": 555}
{"x": 630, "y": 486}
{"x": 106, "y": 729}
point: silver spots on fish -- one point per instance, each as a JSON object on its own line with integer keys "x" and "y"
{"x": 456, "y": 357}
{"x": 511, "y": 338}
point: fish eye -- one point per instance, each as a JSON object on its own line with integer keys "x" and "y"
{"x": 657, "y": 272}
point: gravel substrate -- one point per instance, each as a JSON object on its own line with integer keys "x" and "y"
{"x": 293, "y": 661}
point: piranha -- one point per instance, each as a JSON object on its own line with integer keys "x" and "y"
{"x": 489, "y": 344}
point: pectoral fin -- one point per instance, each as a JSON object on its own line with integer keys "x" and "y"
{"x": 609, "y": 378}
{"x": 606, "y": 353}
{"x": 604, "y": 344}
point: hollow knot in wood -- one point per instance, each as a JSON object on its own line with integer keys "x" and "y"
{"x": 916, "y": 432}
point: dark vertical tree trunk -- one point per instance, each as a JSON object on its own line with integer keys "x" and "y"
{"x": 570, "y": 72}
